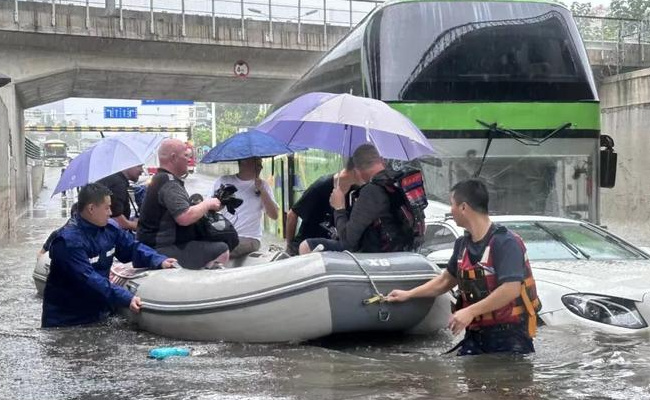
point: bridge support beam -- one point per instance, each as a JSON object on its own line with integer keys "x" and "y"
{"x": 625, "y": 112}
{"x": 13, "y": 177}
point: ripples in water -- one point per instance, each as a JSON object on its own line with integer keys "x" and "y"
{"x": 109, "y": 360}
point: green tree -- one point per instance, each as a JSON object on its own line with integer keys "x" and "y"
{"x": 590, "y": 28}
{"x": 635, "y": 9}
{"x": 230, "y": 119}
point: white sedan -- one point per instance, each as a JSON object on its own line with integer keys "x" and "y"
{"x": 585, "y": 275}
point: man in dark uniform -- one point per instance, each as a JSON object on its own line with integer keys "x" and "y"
{"x": 118, "y": 184}
{"x": 498, "y": 301}
{"x": 78, "y": 290}
{"x": 314, "y": 207}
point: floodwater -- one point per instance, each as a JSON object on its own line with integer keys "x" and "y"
{"x": 109, "y": 361}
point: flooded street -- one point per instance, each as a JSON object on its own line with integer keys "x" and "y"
{"x": 109, "y": 361}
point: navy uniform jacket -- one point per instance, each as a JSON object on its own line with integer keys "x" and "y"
{"x": 77, "y": 290}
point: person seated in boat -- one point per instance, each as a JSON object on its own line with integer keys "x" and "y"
{"x": 314, "y": 209}
{"x": 258, "y": 199}
{"x": 168, "y": 219}
{"x": 78, "y": 290}
{"x": 50, "y": 238}
{"x": 118, "y": 184}
{"x": 373, "y": 225}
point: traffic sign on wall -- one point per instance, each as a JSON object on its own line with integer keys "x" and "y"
{"x": 241, "y": 69}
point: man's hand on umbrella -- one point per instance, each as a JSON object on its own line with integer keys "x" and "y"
{"x": 337, "y": 199}
{"x": 259, "y": 184}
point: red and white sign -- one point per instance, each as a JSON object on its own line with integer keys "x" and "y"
{"x": 241, "y": 69}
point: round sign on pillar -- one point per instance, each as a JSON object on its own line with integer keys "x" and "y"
{"x": 241, "y": 69}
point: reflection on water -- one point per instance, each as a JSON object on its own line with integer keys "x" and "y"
{"x": 108, "y": 361}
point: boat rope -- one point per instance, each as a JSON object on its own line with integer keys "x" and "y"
{"x": 383, "y": 315}
{"x": 372, "y": 283}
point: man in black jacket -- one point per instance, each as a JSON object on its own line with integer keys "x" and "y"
{"x": 373, "y": 226}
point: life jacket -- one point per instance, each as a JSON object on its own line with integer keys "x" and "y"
{"x": 408, "y": 200}
{"x": 153, "y": 212}
{"x": 477, "y": 281}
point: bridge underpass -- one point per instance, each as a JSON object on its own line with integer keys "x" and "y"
{"x": 53, "y": 53}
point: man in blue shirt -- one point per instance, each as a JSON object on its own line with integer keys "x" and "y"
{"x": 78, "y": 290}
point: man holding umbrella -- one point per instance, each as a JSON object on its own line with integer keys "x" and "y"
{"x": 258, "y": 198}
{"x": 118, "y": 184}
{"x": 373, "y": 226}
{"x": 167, "y": 219}
{"x": 314, "y": 207}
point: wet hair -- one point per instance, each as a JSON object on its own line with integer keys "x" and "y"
{"x": 365, "y": 156}
{"x": 474, "y": 193}
{"x": 92, "y": 193}
{"x": 349, "y": 165}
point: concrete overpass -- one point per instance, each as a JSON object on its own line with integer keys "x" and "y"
{"x": 82, "y": 52}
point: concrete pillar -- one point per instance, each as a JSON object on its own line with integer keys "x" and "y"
{"x": 10, "y": 133}
{"x": 625, "y": 112}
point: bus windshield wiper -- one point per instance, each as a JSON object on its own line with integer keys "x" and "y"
{"x": 560, "y": 238}
{"x": 521, "y": 137}
{"x": 518, "y": 136}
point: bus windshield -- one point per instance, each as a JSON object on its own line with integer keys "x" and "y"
{"x": 57, "y": 149}
{"x": 554, "y": 179}
{"x": 476, "y": 51}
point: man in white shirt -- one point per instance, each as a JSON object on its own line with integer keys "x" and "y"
{"x": 257, "y": 197}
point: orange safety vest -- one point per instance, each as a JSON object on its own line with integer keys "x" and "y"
{"x": 477, "y": 281}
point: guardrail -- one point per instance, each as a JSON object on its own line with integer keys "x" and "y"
{"x": 332, "y": 13}
{"x": 621, "y": 41}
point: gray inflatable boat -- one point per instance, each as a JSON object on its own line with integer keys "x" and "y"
{"x": 41, "y": 271}
{"x": 294, "y": 299}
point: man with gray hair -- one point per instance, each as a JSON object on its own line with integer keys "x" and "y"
{"x": 373, "y": 225}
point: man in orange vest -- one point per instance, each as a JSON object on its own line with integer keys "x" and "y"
{"x": 497, "y": 303}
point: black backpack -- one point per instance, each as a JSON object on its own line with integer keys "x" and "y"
{"x": 408, "y": 201}
{"x": 214, "y": 227}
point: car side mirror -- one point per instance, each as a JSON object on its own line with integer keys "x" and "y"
{"x": 608, "y": 162}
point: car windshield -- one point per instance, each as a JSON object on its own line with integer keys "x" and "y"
{"x": 565, "y": 240}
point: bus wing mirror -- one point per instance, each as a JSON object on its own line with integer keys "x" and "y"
{"x": 608, "y": 158}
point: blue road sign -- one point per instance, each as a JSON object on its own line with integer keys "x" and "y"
{"x": 167, "y": 102}
{"x": 121, "y": 112}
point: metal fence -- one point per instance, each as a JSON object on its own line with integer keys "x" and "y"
{"x": 622, "y": 42}
{"x": 317, "y": 12}
{"x": 32, "y": 150}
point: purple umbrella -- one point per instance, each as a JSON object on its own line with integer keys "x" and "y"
{"x": 341, "y": 122}
{"x": 106, "y": 157}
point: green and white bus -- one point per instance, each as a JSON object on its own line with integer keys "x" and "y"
{"x": 503, "y": 88}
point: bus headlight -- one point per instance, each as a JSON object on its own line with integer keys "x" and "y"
{"x": 604, "y": 309}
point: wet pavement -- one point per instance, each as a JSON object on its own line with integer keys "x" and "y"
{"x": 108, "y": 361}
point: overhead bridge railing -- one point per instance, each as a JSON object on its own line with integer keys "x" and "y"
{"x": 141, "y": 129}
{"x": 339, "y": 13}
